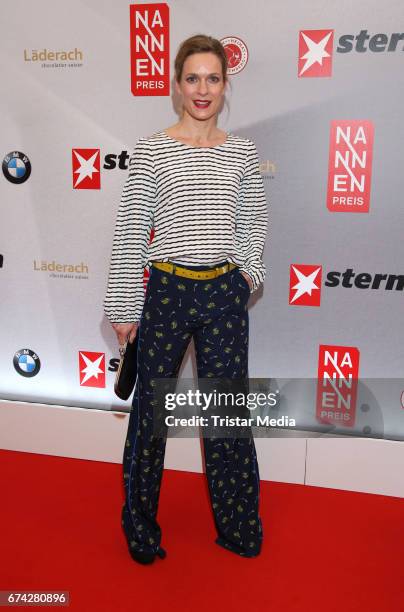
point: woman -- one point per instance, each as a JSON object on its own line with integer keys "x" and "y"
{"x": 201, "y": 190}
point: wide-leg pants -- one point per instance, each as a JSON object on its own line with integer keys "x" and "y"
{"x": 214, "y": 312}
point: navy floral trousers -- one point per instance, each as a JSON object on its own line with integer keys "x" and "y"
{"x": 214, "y": 312}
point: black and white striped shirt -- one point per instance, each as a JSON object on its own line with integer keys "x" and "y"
{"x": 206, "y": 205}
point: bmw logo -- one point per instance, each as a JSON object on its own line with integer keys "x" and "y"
{"x": 16, "y": 167}
{"x": 27, "y": 363}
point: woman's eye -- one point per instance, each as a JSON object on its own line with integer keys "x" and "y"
{"x": 214, "y": 78}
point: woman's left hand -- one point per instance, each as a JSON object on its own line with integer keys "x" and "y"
{"x": 248, "y": 278}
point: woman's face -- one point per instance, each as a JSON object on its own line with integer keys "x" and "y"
{"x": 201, "y": 80}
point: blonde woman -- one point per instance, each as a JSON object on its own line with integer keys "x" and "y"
{"x": 201, "y": 190}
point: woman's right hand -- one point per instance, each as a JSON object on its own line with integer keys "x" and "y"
{"x": 123, "y": 329}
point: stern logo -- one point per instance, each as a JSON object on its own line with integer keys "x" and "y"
{"x": 305, "y": 285}
{"x": 315, "y": 53}
{"x": 92, "y": 369}
{"x": 86, "y": 168}
{"x": 316, "y": 48}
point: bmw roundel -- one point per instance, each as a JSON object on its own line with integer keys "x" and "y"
{"x": 27, "y": 363}
{"x": 16, "y": 167}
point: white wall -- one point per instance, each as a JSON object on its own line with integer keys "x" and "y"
{"x": 352, "y": 464}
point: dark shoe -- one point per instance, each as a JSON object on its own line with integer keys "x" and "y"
{"x": 161, "y": 553}
{"x": 146, "y": 558}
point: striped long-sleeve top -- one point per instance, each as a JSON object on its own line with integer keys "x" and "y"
{"x": 206, "y": 205}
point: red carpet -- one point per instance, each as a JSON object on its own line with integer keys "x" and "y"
{"x": 323, "y": 549}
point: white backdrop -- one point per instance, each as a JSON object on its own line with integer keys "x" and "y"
{"x": 50, "y": 107}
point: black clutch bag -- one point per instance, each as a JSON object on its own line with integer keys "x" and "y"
{"x": 127, "y": 371}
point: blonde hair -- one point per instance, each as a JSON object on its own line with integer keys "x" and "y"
{"x": 200, "y": 43}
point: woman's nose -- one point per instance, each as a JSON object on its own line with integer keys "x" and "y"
{"x": 203, "y": 88}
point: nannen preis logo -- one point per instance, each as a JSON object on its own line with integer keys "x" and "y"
{"x": 150, "y": 49}
{"x": 350, "y": 166}
{"x": 337, "y": 381}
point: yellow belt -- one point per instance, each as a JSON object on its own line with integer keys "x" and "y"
{"x": 202, "y": 274}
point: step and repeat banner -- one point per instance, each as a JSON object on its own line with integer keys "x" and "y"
{"x": 317, "y": 86}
